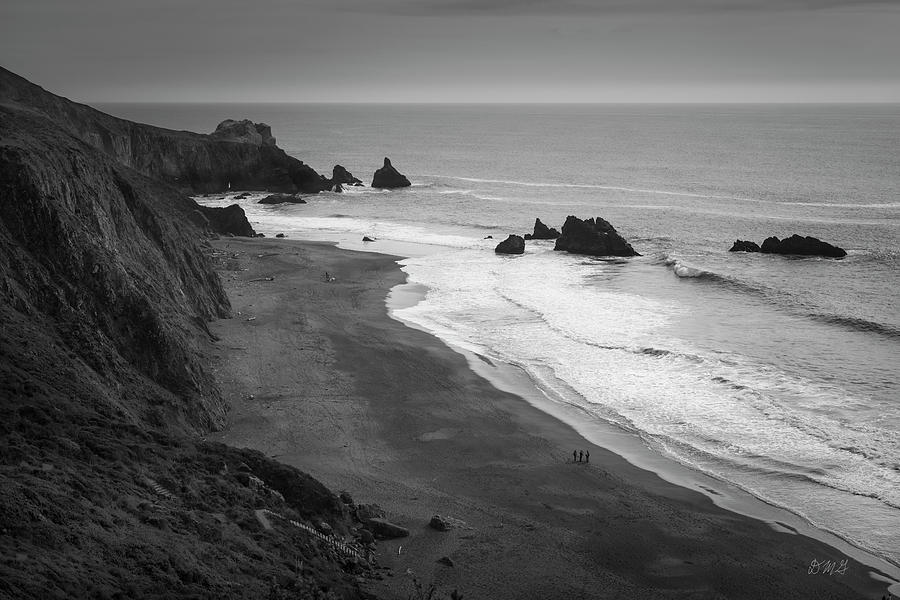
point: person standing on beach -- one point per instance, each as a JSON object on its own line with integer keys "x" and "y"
{"x": 574, "y": 455}
{"x": 580, "y": 456}
{"x": 587, "y": 456}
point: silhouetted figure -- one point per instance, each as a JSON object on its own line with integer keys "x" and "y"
{"x": 327, "y": 276}
{"x": 580, "y": 456}
{"x": 574, "y": 456}
{"x": 587, "y": 456}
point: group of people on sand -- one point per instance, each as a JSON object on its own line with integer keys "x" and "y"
{"x": 329, "y": 277}
{"x": 581, "y": 456}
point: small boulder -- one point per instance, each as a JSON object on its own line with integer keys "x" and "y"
{"x": 385, "y": 529}
{"x": 388, "y": 177}
{"x": 445, "y": 560}
{"x": 744, "y": 246}
{"x": 514, "y": 244}
{"x": 368, "y": 239}
{"x": 440, "y": 523}
{"x": 282, "y": 199}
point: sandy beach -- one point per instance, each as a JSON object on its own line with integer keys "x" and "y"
{"x": 320, "y": 377}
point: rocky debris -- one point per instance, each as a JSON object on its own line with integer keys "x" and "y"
{"x": 244, "y": 132}
{"x": 514, "y": 244}
{"x": 445, "y": 560}
{"x": 801, "y": 246}
{"x": 542, "y": 232}
{"x": 744, "y": 246}
{"x": 594, "y": 237}
{"x": 282, "y": 199}
{"x": 388, "y": 177}
{"x": 382, "y": 528}
{"x": 228, "y": 220}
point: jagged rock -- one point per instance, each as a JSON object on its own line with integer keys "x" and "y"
{"x": 440, "y": 523}
{"x": 542, "y": 232}
{"x": 230, "y": 220}
{"x": 802, "y": 246}
{"x": 341, "y": 175}
{"x": 594, "y": 237}
{"x": 445, "y": 560}
{"x": 282, "y": 199}
{"x": 245, "y": 132}
{"x": 279, "y": 235}
{"x": 260, "y": 235}
{"x": 744, "y": 246}
{"x": 368, "y": 239}
{"x": 385, "y": 529}
{"x": 388, "y": 177}
{"x": 514, "y": 244}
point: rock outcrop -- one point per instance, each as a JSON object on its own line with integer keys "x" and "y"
{"x": 594, "y": 237}
{"x": 514, "y": 244}
{"x": 795, "y": 245}
{"x": 230, "y": 220}
{"x": 542, "y": 232}
{"x": 193, "y": 162}
{"x": 340, "y": 175}
{"x": 244, "y": 132}
{"x": 744, "y": 246}
{"x": 282, "y": 199}
{"x": 388, "y": 177}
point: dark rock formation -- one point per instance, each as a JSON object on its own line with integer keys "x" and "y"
{"x": 594, "y": 237}
{"x": 368, "y": 239}
{"x": 341, "y": 175}
{"x": 514, "y": 244}
{"x": 542, "y": 232}
{"x": 384, "y": 529}
{"x": 230, "y": 220}
{"x": 388, "y": 177}
{"x": 244, "y": 132}
{"x": 801, "y": 246}
{"x": 282, "y": 199}
{"x": 445, "y": 560}
{"x": 193, "y": 162}
{"x": 744, "y": 246}
{"x": 279, "y": 235}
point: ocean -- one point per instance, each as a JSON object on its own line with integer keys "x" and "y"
{"x": 778, "y": 375}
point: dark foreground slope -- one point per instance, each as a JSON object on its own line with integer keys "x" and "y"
{"x": 106, "y": 489}
{"x": 193, "y": 162}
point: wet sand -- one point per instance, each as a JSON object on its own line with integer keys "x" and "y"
{"x": 393, "y": 416}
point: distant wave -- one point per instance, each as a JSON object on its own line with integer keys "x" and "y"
{"x": 591, "y": 186}
{"x": 858, "y": 324}
{"x": 686, "y": 271}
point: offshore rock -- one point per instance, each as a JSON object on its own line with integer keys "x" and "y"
{"x": 594, "y": 237}
{"x": 542, "y": 232}
{"x": 744, "y": 246}
{"x": 388, "y": 177}
{"x": 282, "y": 199}
{"x": 340, "y": 175}
{"x": 801, "y": 246}
{"x": 514, "y": 244}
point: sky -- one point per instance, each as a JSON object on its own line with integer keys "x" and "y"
{"x": 456, "y": 50}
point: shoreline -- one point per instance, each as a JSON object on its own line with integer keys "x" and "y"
{"x": 248, "y": 424}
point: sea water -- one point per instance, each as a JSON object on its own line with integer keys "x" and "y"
{"x": 776, "y": 374}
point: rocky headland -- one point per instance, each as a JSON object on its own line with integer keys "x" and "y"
{"x": 107, "y": 285}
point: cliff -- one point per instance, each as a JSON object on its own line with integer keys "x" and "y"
{"x": 193, "y": 162}
{"x": 106, "y": 488}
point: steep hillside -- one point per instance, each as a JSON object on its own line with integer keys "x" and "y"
{"x": 106, "y": 489}
{"x": 193, "y": 162}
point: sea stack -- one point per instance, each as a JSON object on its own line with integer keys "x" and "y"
{"x": 542, "y": 232}
{"x": 795, "y": 245}
{"x": 514, "y": 244}
{"x": 388, "y": 177}
{"x": 594, "y": 237}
